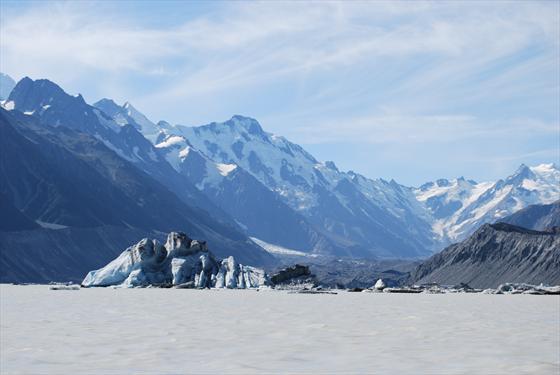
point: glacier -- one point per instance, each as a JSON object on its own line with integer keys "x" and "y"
{"x": 181, "y": 262}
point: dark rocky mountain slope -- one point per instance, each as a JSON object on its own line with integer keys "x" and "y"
{"x": 496, "y": 254}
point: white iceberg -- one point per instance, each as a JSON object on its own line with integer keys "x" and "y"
{"x": 379, "y": 285}
{"x": 180, "y": 262}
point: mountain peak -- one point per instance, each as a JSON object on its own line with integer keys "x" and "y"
{"x": 522, "y": 173}
{"x": 331, "y": 165}
{"x": 442, "y": 182}
{"x": 131, "y": 110}
{"x": 522, "y": 167}
{"x": 250, "y": 124}
{"x": 6, "y": 85}
{"x": 106, "y": 101}
{"x": 129, "y": 107}
{"x": 108, "y": 106}
{"x": 25, "y": 80}
{"x": 33, "y": 95}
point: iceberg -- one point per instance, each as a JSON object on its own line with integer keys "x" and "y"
{"x": 379, "y": 285}
{"x": 181, "y": 262}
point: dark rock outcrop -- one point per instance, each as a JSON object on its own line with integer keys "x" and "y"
{"x": 295, "y": 272}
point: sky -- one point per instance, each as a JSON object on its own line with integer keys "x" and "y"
{"x": 413, "y": 91}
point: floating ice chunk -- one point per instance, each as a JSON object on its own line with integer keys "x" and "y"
{"x": 181, "y": 262}
{"x": 379, "y": 285}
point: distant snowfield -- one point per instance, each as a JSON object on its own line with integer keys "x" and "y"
{"x": 172, "y": 331}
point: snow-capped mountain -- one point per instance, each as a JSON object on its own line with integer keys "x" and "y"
{"x": 112, "y": 172}
{"x": 49, "y": 103}
{"x": 46, "y": 100}
{"x": 69, "y": 174}
{"x": 343, "y": 210}
{"x": 459, "y": 206}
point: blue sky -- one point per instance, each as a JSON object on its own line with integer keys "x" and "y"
{"x": 407, "y": 90}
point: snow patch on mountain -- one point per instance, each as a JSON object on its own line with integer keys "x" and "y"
{"x": 225, "y": 169}
{"x": 8, "y": 105}
{"x": 53, "y": 226}
{"x": 280, "y": 250}
{"x": 172, "y": 141}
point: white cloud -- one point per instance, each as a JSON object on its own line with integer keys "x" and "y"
{"x": 279, "y": 37}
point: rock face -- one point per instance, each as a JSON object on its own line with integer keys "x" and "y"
{"x": 182, "y": 261}
{"x": 295, "y": 272}
{"x": 493, "y": 255}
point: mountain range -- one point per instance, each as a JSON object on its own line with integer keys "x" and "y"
{"x": 67, "y": 164}
{"x": 253, "y": 174}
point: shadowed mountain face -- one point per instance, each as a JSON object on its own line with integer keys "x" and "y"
{"x": 537, "y": 216}
{"x": 496, "y": 254}
{"x": 63, "y": 179}
{"x": 13, "y": 219}
{"x": 67, "y": 254}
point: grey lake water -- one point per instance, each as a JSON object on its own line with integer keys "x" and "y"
{"x": 174, "y": 331}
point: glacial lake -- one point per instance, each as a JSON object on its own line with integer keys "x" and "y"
{"x": 174, "y": 331}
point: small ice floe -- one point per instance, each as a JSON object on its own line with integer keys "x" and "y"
{"x": 519, "y": 288}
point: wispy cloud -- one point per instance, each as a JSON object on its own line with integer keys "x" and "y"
{"x": 319, "y": 72}
{"x": 405, "y": 129}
